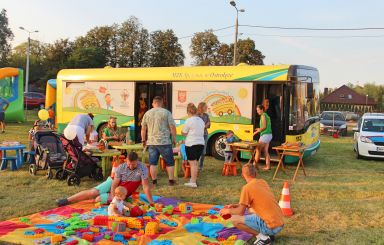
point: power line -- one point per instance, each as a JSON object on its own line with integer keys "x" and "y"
{"x": 315, "y": 29}
{"x": 220, "y": 29}
{"x": 309, "y": 36}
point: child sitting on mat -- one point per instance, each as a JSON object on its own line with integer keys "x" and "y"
{"x": 118, "y": 205}
{"x": 229, "y": 138}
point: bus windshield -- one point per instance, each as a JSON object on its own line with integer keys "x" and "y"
{"x": 302, "y": 108}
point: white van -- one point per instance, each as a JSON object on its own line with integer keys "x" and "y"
{"x": 369, "y": 136}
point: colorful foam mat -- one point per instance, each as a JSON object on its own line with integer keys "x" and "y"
{"x": 170, "y": 221}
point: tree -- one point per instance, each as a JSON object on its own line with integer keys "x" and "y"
{"x": 86, "y": 57}
{"x": 224, "y": 55}
{"x": 56, "y": 56}
{"x": 247, "y": 52}
{"x": 103, "y": 38}
{"x": 6, "y": 36}
{"x": 133, "y": 44}
{"x": 165, "y": 49}
{"x": 204, "y": 48}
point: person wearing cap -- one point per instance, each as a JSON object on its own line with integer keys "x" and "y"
{"x": 81, "y": 127}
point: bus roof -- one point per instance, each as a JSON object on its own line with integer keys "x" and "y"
{"x": 184, "y": 73}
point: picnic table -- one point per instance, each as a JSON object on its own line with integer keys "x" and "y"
{"x": 127, "y": 147}
{"x": 296, "y": 151}
{"x": 15, "y": 161}
{"x": 243, "y": 146}
{"x": 105, "y": 156}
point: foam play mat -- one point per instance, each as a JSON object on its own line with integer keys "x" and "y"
{"x": 170, "y": 221}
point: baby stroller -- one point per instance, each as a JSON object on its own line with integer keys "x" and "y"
{"x": 78, "y": 163}
{"x": 49, "y": 153}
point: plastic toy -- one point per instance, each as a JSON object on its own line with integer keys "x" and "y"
{"x": 56, "y": 239}
{"x": 73, "y": 242}
{"x": 151, "y": 228}
{"x": 94, "y": 229}
{"x": 39, "y": 231}
{"x": 88, "y": 237}
{"x": 136, "y": 211}
{"x": 195, "y": 220}
{"x": 118, "y": 238}
{"x": 226, "y": 216}
{"x": 69, "y": 233}
{"x": 117, "y": 226}
{"x": 158, "y": 207}
{"x": 100, "y": 220}
{"x": 168, "y": 222}
{"x": 185, "y": 208}
{"x": 168, "y": 209}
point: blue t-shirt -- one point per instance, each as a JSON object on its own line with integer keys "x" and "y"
{"x": 3, "y": 103}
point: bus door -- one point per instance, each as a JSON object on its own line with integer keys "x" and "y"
{"x": 145, "y": 92}
{"x": 274, "y": 95}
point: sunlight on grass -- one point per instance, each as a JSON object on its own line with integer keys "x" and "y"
{"x": 341, "y": 201}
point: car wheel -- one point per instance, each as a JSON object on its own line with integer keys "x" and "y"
{"x": 358, "y": 156}
{"x": 218, "y": 146}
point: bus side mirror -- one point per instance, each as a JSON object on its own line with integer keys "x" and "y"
{"x": 309, "y": 90}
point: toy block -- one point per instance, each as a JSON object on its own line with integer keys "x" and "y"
{"x": 118, "y": 238}
{"x": 88, "y": 237}
{"x": 94, "y": 229}
{"x": 56, "y": 239}
{"x": 117, "y": 226}
{"x": 151, "y": 228}
{"x": 136, "y": 211}
{"x": 39, "y": 231}
{"x": 73, "y": 242}
{"x": 185, "y": 208}
{"x": 100, "y": 220}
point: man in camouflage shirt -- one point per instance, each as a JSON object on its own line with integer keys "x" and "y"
{"x": 158, "y": 132}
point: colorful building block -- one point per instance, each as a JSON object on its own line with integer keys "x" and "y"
{"x": 100, "y": 220}
{"x": 117, "y": 226}
{"x": 152, "y": 228}
{"x": 56, "y": 239}
{"x": 87, "y": 236}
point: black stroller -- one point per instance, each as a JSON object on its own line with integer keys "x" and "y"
{"x": 78, "y": 163}
{"x": 49, "y": 153}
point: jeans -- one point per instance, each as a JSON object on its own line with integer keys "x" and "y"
{"x": 204, "y": 152}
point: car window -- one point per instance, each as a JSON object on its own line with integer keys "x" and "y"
{"x": 373, "y": 125}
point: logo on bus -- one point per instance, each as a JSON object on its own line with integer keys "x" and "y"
{"x": 299, "y": 138}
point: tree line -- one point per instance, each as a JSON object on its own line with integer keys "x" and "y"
{"x": 128, "y": 44}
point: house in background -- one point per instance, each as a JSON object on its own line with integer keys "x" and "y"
{"x": 346, "y": 99}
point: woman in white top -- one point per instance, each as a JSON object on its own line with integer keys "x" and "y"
{"x": 194, "y": 142}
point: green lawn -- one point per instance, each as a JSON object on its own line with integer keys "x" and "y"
{"x": 341, "y": 201}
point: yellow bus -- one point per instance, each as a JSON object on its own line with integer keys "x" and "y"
{"x": 231, "y": 93}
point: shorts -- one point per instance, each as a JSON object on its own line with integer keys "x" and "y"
{"x": 166, "y": 152}
{"x": 50, "y": 121}
{"x": 256, "y": 223}
{"x": 104, "y": 189}
{"x": 194, "y": 152}
{"x": 266, "y": 138}
{"x": 2, "y": 116}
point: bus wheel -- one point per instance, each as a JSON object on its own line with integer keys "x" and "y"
{"x": 101, "y": 128}
{"x": 218, "y": 146}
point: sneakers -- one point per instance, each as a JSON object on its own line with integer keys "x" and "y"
{"x": 190, "y": 184}
{"x": 62, "y": 202}
{"x": 263, "y": 241}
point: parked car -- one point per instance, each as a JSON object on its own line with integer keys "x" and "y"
{"x": 34, "y": 100}
{"x": 333, "y": 122}
{"x": 369, "y": 136}
{"x": 351, "y": 116}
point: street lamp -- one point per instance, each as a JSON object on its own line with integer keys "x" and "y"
{"x": 236, "y": 30}
{"x": 366, "y": 102}
{"x": 28, "y": 49}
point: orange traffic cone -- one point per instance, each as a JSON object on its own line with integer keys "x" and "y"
{"x": 285, "y": 201}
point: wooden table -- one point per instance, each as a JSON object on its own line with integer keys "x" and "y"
{"x": 245, "y": 146}
{"x": 106, "y": 163}
{"x": 18, "y": 159}
{"x": 283, "y": 151}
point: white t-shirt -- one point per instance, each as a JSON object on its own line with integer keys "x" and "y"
{"x": 119, "y": 206}
{"x": 194, "y": 126}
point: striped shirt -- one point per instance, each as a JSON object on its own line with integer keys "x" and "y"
{"x": 125, "y": 174}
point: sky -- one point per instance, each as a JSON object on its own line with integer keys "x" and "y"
{"x": 340, "y": 56}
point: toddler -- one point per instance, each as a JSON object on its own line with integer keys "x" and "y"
{"x": 230, "y": 138}
{"x": 117, "y": 206}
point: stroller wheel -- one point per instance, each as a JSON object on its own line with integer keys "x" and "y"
{"x": 61, "y": 174}
{"x": 73, "y": 179}
{"x": 49, "y": 174}
{"x": 32, "y": 169}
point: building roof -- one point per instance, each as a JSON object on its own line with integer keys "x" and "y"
{"x": 346, "y": 95}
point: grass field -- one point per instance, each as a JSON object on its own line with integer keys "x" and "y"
{"x": 341, "y": 201}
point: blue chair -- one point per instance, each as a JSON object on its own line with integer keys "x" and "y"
{"x": 12, "y": 164}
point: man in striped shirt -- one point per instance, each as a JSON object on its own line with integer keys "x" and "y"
{"x": 130, "y": 174}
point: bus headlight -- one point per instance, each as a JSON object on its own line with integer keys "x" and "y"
{"x": 365, "y": 139}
